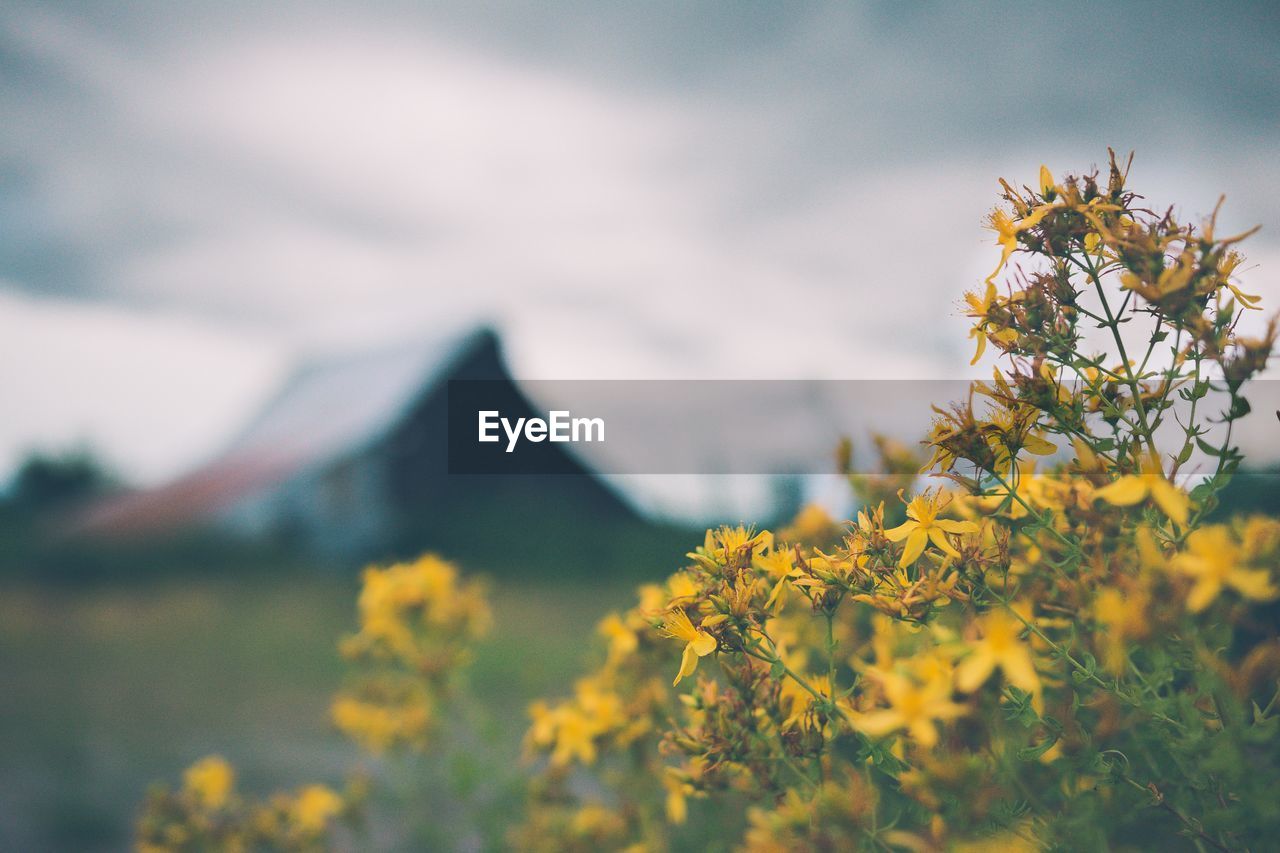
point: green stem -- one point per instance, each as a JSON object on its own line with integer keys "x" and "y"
{"x": 773, "y": 660}
{"x": 1113, "y": 324}
{"x": 1113, "y": 689}
{"x": 831, "y": 656}
{"x": 1039, "y": 519}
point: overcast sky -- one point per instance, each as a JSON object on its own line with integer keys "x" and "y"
{"x": 197, "y": 195}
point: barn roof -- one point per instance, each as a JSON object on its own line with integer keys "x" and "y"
{"x": 339, "y": 405}
{"x": 328, "y": 409}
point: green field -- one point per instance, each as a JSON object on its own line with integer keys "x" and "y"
{"x": 104, "y": 689}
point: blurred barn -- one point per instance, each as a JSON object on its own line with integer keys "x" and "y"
{"x": 348, "y": 461}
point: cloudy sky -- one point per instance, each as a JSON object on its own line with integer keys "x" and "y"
{"x": 196, "y": 196}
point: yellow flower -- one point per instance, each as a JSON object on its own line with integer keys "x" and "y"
{"x": 1046, "y": 182}
{"x": 1000, "y": 647}
{"x": 1230, "y": 261}
{"x": 1121, "y": 616}
{"x": 780, "y": 565}
{"x": 1132, "y": 488}
{"x": 979, "y": 308}
{"x": 912, "y": 706}
{"x": 923, "y": 526}
{"x": 1260, "y": 537}
{"x": 314, "y": 807}
{"x": 698, "y": 643}
{"x": 210, "y": 781}
{"x": 681, "y": 587}
{"x": 622, "y": 640}
{"x": 811, "y": 524}
{"x": 730, "y": 547}
{"x": 1046, "y": 491}
{"x": 1007, "y": 230}
{"x": 652, "y": 599}
{"x": 385, "y": 721}
{"x": 594, "y": 823}
{"x": 800, "y": 701}
{"x": 571, "y": 728}
{"x": 1214, "y": 560}
{"x": 575, "y": 737}
{"x": 678, "y": 791}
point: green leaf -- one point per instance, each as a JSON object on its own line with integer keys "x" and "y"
{"x": 1239, "y": 408}
{"x": 1207, "y": 447}
{"x": 1032, "y": 753}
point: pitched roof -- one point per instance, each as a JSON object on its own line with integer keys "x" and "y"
{"x": 329, "y": 409}
{"x": 340, "y": 405}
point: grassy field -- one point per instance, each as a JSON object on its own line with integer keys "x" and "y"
{"x": 105, "y": 689}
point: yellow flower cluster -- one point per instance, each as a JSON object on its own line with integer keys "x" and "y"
{"x": 1034, "y": 654}
{"x": 418, "y": 623}
{"x": 1055, "y": 644}
{"x": 207, "y": 813}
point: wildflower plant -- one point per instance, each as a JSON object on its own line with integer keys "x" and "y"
{"x": 418, "y": 623}
{"x": 1049, "y": 646}
{"x": 208, "y": 813}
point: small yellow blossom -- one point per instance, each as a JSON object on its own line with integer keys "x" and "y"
{"x": 914, "y": 707}
{"x": 1007, "y": 230}
{"x": 209, "y": 781}
{"x": 594, "y": 821}
{"x": 576, "y": 739}
{"x": 1047, "y": 187}
{"x": 313, "y": 808}
{"x": 923, "y": 526}
{"x": 984, "y": 329}
{"x": 1214, "y": 560}
{"x": 622, "y": 639}
{"x": 811, "y": 524}
{"x": 678, "y": 791}
{"x": 731, "y": 547}
{"x": 698, "y": 643}
{"x": 1123, "y": 618}
{"x": 571, "y": 729}
{"x": 682, "y": 587}
{"x": 1000, "y": 647}
{"x": 780, "y": 566}
{"x": 387, "y": 718}
{"x": 1132, "y": 488}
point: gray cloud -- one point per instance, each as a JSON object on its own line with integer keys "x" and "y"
{"x": 625, "y": 187}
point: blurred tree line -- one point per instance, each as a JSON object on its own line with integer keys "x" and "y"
{"x": 50, "y": 487}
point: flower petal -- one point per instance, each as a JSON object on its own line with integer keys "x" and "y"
{"x": 1126, "y": 491}
{"x": 1171, "y": 499}
{"x": 1254, "y": 584}
{"x": 940, "y": 539}
{"x": 703, "y": 644}
{"x": 974, "y": 670}
{"x": 915, "y": 546}
{"x": 777, "y": 598}
{"x": 924, "y": 732}
{"x": 1019, "y": 669}
{"x": 1203, "y": 594}
{"x": 897, "y": 534}
{"x": 953, "y": 526}
{"x": 976, "y": 332}
{"x": 879, "y": 723}
{"x": 688, "y": 663}
{"x": 1039, "y": 446}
